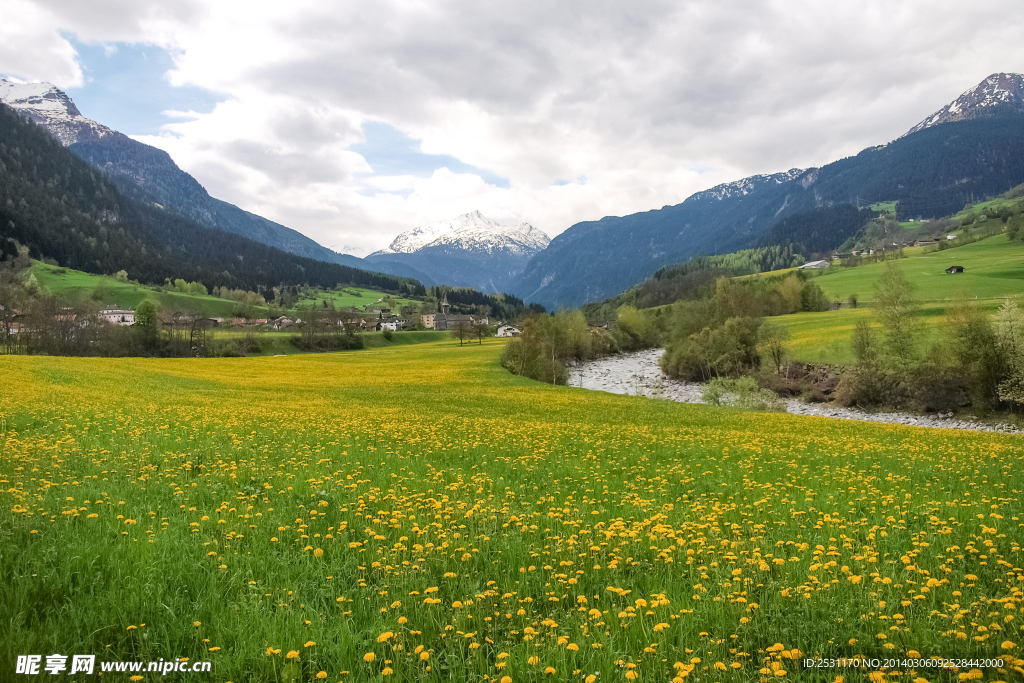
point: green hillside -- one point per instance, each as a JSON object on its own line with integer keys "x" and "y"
{"x": 993, "y": 269}
{"x": 993, "y": 272}
{"x": 357, "y": 297}
{"x": 79, "y": 287}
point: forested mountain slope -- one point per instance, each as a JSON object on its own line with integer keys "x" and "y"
{"x": 932, "y": 172}
{"x": 62, "y": 208}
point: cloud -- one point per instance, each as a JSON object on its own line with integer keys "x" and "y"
{"x": 32, "y": 48}
{"x": 647, "y": 101}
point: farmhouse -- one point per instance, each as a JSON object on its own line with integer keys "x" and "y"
{"x": 507, "y": 331}
{"x": 955, "y": 269}
{"x": 428, "y": 320}
{"x": 118, "y": 316}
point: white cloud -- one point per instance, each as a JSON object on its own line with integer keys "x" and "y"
{"x": 649, "y": 101}
{"x": 32, "y": 49}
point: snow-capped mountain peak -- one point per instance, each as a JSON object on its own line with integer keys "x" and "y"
{"x": 50, "y": 107}
{"x": 998, "y": 90}
{"x": 471, "y": 232}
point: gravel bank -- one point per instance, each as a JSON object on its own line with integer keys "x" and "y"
{"x": 638, "y": 374}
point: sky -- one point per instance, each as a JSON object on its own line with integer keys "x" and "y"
{"x": 352, "y": 122}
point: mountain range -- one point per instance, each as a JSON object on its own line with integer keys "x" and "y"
{"x": 468, "y": 251}
{"x": 149, "y": 174}
{"x": 968, "y": 150}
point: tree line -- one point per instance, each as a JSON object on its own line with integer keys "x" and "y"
{"x": 548, "y": 346}
{"x": 721, "y": 333}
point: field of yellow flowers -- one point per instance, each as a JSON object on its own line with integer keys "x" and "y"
{"x": 321, "y": 518}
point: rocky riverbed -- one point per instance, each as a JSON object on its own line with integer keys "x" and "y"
{"x": 638, "y": 374}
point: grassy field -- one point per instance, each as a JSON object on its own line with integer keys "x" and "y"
{"x": 77, "y": 286}
{"x": 993, "y": 272}
{"x": 313, "y": 518}
{"x": 993, "y": 269}
{"x": 357, "y": 297}
{"x": 80, "y": 286}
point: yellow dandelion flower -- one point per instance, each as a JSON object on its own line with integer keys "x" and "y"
{"x": 369, "y": 657}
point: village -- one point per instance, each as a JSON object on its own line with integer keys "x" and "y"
{"x": 377, "y": 317}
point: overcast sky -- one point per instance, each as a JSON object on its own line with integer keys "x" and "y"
{"x": 352, "y": 122}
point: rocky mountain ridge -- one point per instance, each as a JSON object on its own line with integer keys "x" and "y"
{"x": 998, "y": 91}
{"x": 51, "y": 108}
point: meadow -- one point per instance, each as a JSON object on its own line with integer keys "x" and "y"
{"x": 78, "y": 286}
{"x": 993, "y": 272}
{"x": 310, "y": 518}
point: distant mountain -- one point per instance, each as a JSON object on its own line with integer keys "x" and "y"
{"x": 468, "y": 251}
{"x": 932, "y": 171}
{"x": 995, "y": 94}
{"x": 149, "y": 174}
{"x": 60, "y": 207}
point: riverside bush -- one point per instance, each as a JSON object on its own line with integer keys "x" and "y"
{"x": 742, "y": 393}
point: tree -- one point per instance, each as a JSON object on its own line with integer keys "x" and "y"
{"x": 897, "y": 307}
{"x": 461, "y": 329}
{"x": 975, "y": 350}
{"x": 772, "y": 341}
{"x": 481, "y": 329}
{"x": 852, "y": 301}
{"x": 865, "y": 348}
{"x": 146, "y": 323}
{"x": 1010, "y": 338}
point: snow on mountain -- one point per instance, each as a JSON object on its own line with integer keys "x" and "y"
{"x": 470, "y": 232}
{"x": 995, "y": 91}
{"x": 51, "y": 108}
{"x": 745, "y": 186}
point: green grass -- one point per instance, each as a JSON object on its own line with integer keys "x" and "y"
{"x": 239, "y": 510}
{"x": 357, "y": 297}
{"x": 993, "y": 269}
{"x": 80, "y": 287}
{"x": 885, "y": 207}
{"x": 993, "y": 272}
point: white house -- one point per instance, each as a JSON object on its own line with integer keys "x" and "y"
{"x": 507, "y": 331}
{"x": 950, "y": 237}
{"x": 118, "y": 316}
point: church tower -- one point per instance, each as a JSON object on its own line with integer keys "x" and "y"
{"x": 444, "y": 304}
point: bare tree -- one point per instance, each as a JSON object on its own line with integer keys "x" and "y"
{"x": 461, "y": 329}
